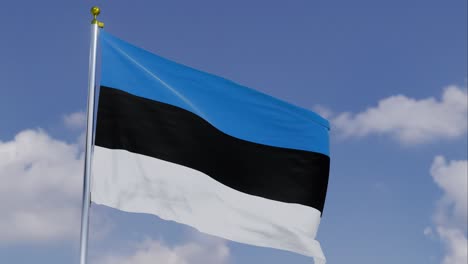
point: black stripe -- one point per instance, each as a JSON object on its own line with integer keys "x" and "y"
{"x": 167, "y": 132}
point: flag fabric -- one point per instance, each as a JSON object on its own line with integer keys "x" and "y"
{"x": 200, "y": 150}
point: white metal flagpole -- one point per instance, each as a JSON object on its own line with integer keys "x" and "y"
{"x": 95, "y": 25}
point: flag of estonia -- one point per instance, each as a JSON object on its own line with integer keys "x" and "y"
{"x": 203, "y": 151}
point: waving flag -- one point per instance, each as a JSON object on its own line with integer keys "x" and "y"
{"x": 203, "y": 151}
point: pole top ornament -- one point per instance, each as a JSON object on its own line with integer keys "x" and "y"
{"x": 95, "y": 11}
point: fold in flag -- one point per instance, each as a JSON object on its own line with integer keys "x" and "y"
{"x": 200, "y": 150}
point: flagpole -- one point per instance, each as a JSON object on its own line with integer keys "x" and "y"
{"x": 95, "y": 25}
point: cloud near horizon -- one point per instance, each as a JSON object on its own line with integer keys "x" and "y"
{"x": 410, "y": 121}
{"x": 206, "y": 251}
{"x": 450, "y": 216}
{"x": 41, "y": 180}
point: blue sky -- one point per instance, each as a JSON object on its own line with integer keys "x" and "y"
{"x": 390, "y": 75}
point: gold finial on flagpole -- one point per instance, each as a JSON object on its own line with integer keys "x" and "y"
{"x": 95, "y": 11}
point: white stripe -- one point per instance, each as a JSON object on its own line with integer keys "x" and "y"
{"x": 137, "y": 183}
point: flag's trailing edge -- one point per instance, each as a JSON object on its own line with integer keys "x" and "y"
{"x": 200, "y": 150}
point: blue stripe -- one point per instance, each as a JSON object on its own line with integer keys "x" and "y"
{"x": 234, "y": 109}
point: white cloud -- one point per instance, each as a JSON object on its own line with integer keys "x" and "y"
{"x": 451, "y": 212}
{"x": 456, "y": 244}
{"x": 212, "y": 251}
{"x": 75, "y": 120}
{"x": 40, "y": 190}
{"x": 411, "y": 120}
{"x": 452, "y": 178}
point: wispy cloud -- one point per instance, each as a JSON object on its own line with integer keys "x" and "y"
{"x": 323, "y": 111}
{"x": 76, "y": 120}
{"x": 409, "y": 120}
{"x": 207, "y": 251}
{"x": 450, "y": 216}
